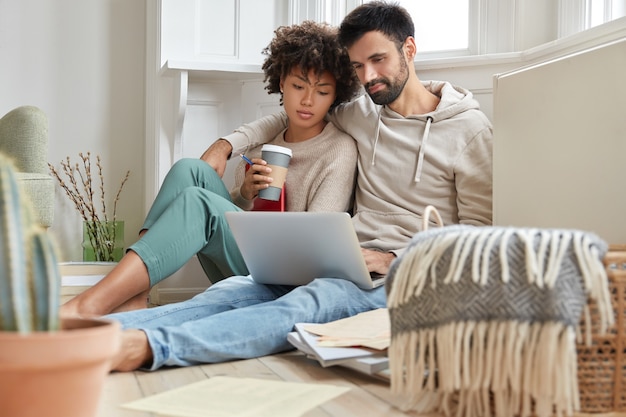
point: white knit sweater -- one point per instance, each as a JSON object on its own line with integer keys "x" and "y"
{"x": 321, "y": 172}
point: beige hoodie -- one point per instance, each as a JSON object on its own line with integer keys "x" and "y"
{"x": 442, "y": 158}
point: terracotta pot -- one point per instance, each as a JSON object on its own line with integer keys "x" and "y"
{"x": 57, "y": 374}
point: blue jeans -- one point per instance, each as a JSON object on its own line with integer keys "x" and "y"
{"x": 237, "y": 318}
{"x": 187, "y": 219}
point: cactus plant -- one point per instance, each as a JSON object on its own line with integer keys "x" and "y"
{"x": 43, "y": 371}
{"x": 30, "y": 280}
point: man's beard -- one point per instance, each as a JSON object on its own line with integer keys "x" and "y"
{"x": 393, "y": 90}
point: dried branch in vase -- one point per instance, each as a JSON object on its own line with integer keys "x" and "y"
{"x": 81, "y": 190}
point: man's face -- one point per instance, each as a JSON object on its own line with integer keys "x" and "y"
{"x": 380, "y": 66}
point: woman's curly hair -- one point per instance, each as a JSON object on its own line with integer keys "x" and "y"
{"x": 310, "y": 46}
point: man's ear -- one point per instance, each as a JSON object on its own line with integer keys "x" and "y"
{"x": 410, "y": 48}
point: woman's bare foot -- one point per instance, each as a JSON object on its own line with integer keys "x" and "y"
{"x": 72, "y": 308}
{"x": 76, "y": 308}
{"x": 138, "y": 302}
{"x": 125, "y": 288}
{"x": 135, "y": 352}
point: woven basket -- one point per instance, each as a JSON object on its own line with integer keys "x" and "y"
{"x": 602, "y": 365}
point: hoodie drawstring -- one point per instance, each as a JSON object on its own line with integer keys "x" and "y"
{"x": 376, "y": 138}
{"x": 420, "y": 157}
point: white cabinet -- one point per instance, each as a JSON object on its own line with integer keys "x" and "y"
{"x": 218, "y": 31}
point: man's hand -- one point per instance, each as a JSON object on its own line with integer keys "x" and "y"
{"x": 217, "y": 155}
{"x": 377, "y": 261}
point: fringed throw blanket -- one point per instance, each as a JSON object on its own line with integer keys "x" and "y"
{"x": 483, "y": 319}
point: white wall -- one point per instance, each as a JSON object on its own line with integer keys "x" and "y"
{"x": 83, "y": 63}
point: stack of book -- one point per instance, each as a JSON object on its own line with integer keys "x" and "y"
{"x": 358, "y": 342}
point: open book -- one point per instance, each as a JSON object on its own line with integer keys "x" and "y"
{"x": 363, "y": 360}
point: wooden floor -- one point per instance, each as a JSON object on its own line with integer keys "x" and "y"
{"x": 368, "y": 396}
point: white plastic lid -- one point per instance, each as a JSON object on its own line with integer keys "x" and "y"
{"x": 276, "y": 148}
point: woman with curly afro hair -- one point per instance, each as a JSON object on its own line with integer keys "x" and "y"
{"x": 312, "y": 73}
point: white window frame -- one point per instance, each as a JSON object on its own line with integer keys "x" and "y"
{"x": 329, "y": 11}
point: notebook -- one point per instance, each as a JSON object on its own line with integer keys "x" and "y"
{"x": 294, "y": 248}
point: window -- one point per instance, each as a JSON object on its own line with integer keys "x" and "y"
{"x": 601, "y": 11}
{"x": 442, "y": 27}
{"x": 579, "y": 15}
{"x": 430, "y": 34}
{"x": 445, "y": 28}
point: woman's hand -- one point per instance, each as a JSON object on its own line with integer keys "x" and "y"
{"x": 256, "y": 179}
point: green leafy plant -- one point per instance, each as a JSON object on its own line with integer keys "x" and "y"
{"x": 81, "y": 190}
{"x": 30, "y": 280}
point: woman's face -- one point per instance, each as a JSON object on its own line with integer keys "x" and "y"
{"x": 306, "y": 99}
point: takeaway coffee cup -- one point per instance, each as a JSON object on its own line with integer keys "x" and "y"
{"x": 277, "y": 158}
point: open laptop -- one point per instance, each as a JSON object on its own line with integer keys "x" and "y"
{"x": 294, "y": 248}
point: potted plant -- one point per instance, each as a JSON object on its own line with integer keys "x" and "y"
{"x": 103, "y": 233}
{"x": 48, "y": 366}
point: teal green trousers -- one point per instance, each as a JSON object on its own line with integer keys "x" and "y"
{"x": 187, "y": 219}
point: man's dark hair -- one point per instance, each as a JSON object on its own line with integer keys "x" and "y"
{"x": 389, "y": 18}
{"x": 310, "y": 46}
